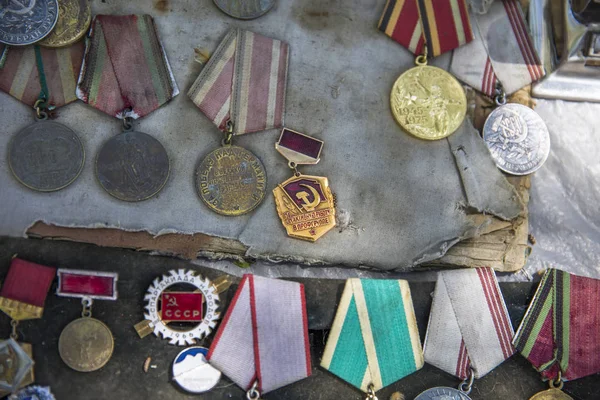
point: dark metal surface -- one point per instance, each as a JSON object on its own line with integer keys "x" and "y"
{"x": 26, "y": 21}
{"x": 124, "y": 378}
{"x": 132, "y": 166}
{"x": 245, "y": 9}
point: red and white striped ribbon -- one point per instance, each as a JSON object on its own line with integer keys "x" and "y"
{"x": 469, "y": 326}
{"x": 264, "y": 335}
{"x": 502, "y": 50}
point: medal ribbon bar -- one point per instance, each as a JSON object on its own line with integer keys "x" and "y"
{"x": 560, "y": 334}
{"x": 298, "y": 147}
{"x": 374, "y": 340}
{"x": 87, "y": 284}
{"x": 469, "y": 326}
{"x": 264, "y": 335}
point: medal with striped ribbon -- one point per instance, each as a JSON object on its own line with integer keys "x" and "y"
{"x": 560, "y": 334}
{"x": 374, "y": 340}
{"x": 241, "y": 89}
{"x": 469, "y": 331}
{"x": 262, "y": 343}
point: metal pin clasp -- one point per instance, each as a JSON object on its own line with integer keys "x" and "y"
{"x": 253, "y": 393}
{"x": 86, "y": 302}
{"x": 294, "y": 167}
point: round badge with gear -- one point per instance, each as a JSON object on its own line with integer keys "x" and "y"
{"x": 181, "y": 307}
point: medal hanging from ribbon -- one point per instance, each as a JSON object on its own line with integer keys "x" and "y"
{"x": 426, "y": 101}
{"x": 560, "y": 333}
{"x": 469, "y": 331}
{"x": 44, "y": 156}
{"x": 374, "y": 340}
{"x": 305, "y": 203}
{"x": 241, "y": 89}
{"x": 86, "y": 344}
{"x": 262, "y": 343}
{"x": 126, "y": 74}
{"x": 22, "y": 297}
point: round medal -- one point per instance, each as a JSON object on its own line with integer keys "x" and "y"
{"x": 86, "y": 344}
{"x": 231, "y": 180}
{"x": 428, "y": 102}
{"x": 242, "y": 9}
{"x": 551, "y": 394}
{"x": 132, "y": 166}
{"x": 193, "y": 373}
{"x": 442, "y": 393}
{"x": 74, "y": 18}
{"x": 26, "y": 22}
{"x": 46, "y": 156}
{"x": 517, "y": 138}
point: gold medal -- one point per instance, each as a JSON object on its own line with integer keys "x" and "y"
{"x": 428, "y": 102}
{"x": 86, "y": 344}
{"x": 551, "y": 394}
{"x": 74, "y": 19}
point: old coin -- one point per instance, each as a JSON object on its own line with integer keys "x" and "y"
{"x": 517, "y": 138}
{"x": 74, "y": 18}
{"x": 245, "y": 9}
{"x": 442, "y": 393}
{"x": 132, "y": 166}
{"x": 231, "y": 180}
{"x": 25, "y": 22}
{"x": 46, "y": 156}
{"x": 428, "y": 102}
{"x": 86, "y": 344}
{"x": 551, "y": 394}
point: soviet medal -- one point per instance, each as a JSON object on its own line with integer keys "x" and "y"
{"x": 22, "y": 297}
{"x": 131, "y": 166}
{"x": 182, "y": 307}
{"x": 27, "y": 22}
{"x": 74, "y": 18}
{"x": 241, "y": 9}
{"x": 305, "y": 203}
{"x": 33, "y": 393}
{"x": 86, "y": 344}
{"x": 192, "y": 371}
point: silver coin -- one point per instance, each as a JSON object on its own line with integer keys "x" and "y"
{"x": 442, "y": 393}
{"x": 193, "y": 373}
{"x": 25, "y": 22}
{"x": 132, "y": 166}
{"x": 245, "y": 9}
{"x": 46, "y": 156}
{"x": 517, "y": 138}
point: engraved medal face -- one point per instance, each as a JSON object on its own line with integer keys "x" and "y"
{"x": 193, "y": 373}
{"x": 442, "y": 393}
{"x": 551, "y": 394}
{"x": 24, "y": 22}
{"x": 74, "y": 18}
{"x": 306, "y": 207}
{"x": 517, "y": 138}
{"x": 245, "y": 9}
{"x": 231, "y": 181}
{"x": 428, "y": 102}
{"x": 46, "y": 156}
{"x": 132, "y": 166}
{"x": 86, "y": 344}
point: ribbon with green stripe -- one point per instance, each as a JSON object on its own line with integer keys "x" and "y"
{"x": 374, "y": 340}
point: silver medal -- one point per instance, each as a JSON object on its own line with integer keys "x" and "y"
{"x": 27, "y": 21}
{"x": 193, "y": 373}
{"x": 442, "y": 393}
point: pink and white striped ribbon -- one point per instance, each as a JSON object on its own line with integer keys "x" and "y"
{"x": 264, "y": 335}
{"x": 469, "y": 326}
{"x": 502, "y": 50}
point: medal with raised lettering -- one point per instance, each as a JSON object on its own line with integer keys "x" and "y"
{"x": 305, "y": 203}
{"x": 74, "y": 19}
{"x": 469, "y": 331}
{"x": 128, "y": 79}
{"x": 240, "y": 94}
{"x": 22, "y": 297}
{"x": 27, "y": 21}
{"x": 86, "y": 344}
{"x": 46, "y": 155}
{"x": 182, "y": 307}
{"x": 374, "y": 340}
{"x": 427, "y": 101}
{"x": 559, "y": 334}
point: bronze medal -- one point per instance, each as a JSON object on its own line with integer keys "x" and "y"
{"x": 132, "y": 166}
{"x": 231, "y": 180}
{"x": 74, "y": 19}
{"x": 46, "y": 156}
{"x": 551, "y": 394}
{"x": 86, "y": 344}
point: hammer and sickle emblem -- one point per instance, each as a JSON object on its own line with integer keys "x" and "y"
{"x": 172, "y": 302}
{"x": 21, "y": 8}
{"x": 309, "y": 205}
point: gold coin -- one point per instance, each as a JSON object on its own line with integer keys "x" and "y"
{"x": 231, "y": 181}
{"x": 551, "y": 394}
{"x": 428, "y": 102}
{"x": 74, "y": 18}
{"x": 86, "y": 344}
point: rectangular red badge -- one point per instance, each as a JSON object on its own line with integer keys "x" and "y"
{"x": 27, "y": 282}
{"x": 92, "y": 284}
{"x": 181, "y": 306}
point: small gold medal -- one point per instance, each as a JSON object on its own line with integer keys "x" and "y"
{"x": 74, "y": 19}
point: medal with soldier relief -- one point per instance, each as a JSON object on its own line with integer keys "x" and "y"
{"x": 304, "y": 203}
